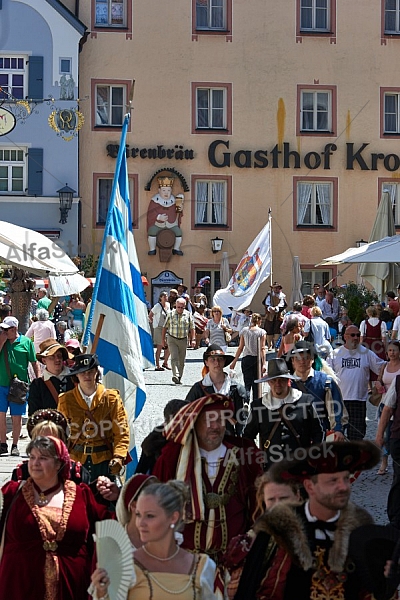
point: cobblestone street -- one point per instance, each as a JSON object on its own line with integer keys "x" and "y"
{"x": 369, "y": 491}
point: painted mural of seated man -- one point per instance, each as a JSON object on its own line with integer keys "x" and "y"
{"x": 165, "y": 212}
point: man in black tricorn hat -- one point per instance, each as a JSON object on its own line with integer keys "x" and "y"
{"x": 301, "y": 550}
{"x": 284, "y": 418}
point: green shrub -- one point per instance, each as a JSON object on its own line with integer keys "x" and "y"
{"x": 356, "y": 298}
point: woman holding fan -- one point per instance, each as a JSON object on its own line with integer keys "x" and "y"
{"x": 163, "y": 570}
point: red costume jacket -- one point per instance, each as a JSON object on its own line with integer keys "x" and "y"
{"x": 232, "y": 496}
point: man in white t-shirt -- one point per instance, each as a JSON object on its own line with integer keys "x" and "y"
{"x": 395, "y": 328}
{"x": 352, "y": 363}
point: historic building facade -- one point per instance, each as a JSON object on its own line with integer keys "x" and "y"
{"x": 39, "y": 47}
{"x": 240, "y": 107}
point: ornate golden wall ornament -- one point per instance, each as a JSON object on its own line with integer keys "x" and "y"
{"x": 66, "y": 122}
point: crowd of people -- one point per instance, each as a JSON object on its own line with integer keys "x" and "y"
{"x": 243, "y": 492}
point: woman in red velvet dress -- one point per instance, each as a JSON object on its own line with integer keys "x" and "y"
{"x": 47, "y": 523}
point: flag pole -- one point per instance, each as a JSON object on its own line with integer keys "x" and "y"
{"x": 97, "y": 333}
{"x": 270, "y": 239}
{"x": 121, "y": 151}
{"x": 129, "y": 107}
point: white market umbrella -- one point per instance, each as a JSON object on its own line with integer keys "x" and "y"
{"x": 35, "y": 253}
{"x": 224, "y": 274}
{"x": 381, "y": 275}
{"x": 297, "y": 281}
{"x": 382, "y": 251}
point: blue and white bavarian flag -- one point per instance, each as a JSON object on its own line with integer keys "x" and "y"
{"x": 125, "y": 346}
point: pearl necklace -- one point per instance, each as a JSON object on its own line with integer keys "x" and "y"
{"x": 165, "y": 589}
{"x": 158, "y": 558}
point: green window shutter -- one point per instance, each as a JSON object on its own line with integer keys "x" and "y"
{"x": 35, "y": 79}
{"x": 35, "y": 171}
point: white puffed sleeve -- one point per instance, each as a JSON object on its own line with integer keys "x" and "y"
{"x": 207, "y": 578}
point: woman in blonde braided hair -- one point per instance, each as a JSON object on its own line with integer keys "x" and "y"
{"x": 163, "y": 570}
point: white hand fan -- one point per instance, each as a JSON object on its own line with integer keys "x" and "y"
{"x": 1, "y": 503}
{"x": 114, "y": 554}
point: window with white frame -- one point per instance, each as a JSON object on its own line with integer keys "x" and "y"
{"x": 65, "y": 66}
{"x": 312, "y": 276}
{"x": 211, "y": 108}
{"x": 392, "y": 16}
{"x": 13, "y": 76}
{"x": 211, "y": 202}
{"x": 104, "y": 189}
{"x": 316, "y": 110}
{"x": 314, "y": 203}
{"x": 110, "y": 13}
{"x": 214, "y": 285}
{"x": 314, "y": 15}
{"x": 110, "y": 104}
{"x": 211, "y": 14}
{"x": 391, "y": 112}
{"x": 12, "y": 170}
{"x": 394, "y": 190}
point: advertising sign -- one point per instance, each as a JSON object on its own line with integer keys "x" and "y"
{"x": 7, "y": 121}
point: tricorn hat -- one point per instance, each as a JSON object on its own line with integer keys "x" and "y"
{"x": 83, "y": 363}
{"x": 277, "y": 367}
{"x": 328, "y": 457}
{"x": 276, "y": 284}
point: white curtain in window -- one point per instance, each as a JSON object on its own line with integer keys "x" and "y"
{"x": 218, "y": 199}
{"x": 303, "y": 199}
{"x": 217, "y": 13}
{"x": 201, "y": 201}
{"x": 324, "y": 193}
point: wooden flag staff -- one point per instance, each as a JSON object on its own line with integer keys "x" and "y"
{"x": 97, "y": 334}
